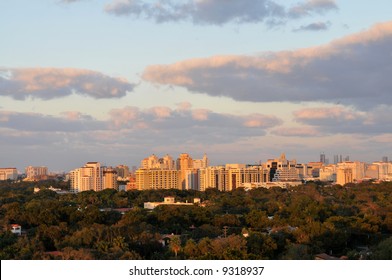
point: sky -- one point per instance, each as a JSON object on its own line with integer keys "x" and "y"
{"x": 243, "y": 81}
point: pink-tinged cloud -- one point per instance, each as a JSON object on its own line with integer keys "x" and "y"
{"x": 353, "y": 70}
{"x": 327, "y": 113}
{"x": 50, "y": 83}
{"x": 161, "y": 112}
{"x": 200, "y": 114}
{"x": 259, "y": 120}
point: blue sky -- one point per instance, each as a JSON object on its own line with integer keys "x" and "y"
{"x": 117, "y": 80}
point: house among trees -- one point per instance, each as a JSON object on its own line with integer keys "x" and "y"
{"x": 169, "y": 200}
{"x": 16, "y": 229}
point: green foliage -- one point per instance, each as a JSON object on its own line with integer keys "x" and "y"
{"x": 276, "y": 223}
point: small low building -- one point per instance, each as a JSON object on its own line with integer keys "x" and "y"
{"x": 16, "y": 229}
{"x": 169, "y": 200}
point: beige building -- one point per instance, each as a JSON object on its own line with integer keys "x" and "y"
{"x": 92, "y": 176}
{"x": 328, "y": 173}
{"x": 384, "y": 170}
{"x": 281, "y": 169}
{"x": 357, "y": 170}
{"x": 344, "y": 175}
{"x": 147, "y": 179}
{"x": 9, "y": 173}
{"x": 36, "y": 172}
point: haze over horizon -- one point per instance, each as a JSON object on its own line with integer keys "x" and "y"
{"x": 243, "y": 81}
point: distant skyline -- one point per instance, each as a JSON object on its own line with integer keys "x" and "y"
{"x": 117, "y": 80}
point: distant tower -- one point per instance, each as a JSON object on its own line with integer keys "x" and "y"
{"x": 322, "y": 158}
{"x": 384, "y": 159}
{"x": 335, "y": 159}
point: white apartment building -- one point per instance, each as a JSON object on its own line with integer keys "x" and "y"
{"x": 92, "y": 176}
{"x": 8, "y": 173}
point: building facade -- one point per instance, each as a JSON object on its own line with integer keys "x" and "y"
{"x": 9, "y": 173}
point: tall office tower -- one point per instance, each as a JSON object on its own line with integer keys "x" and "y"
{"x": 36, "y": 172}
{"x": 184, "y": 163}
{"x": 335, "y": 159}
{"x": 384, "y": 159}
{"x": 9, "y": 173}
{"x": 322, "y": 158}
{"x": 347, "y": 158}
{"x": 88, "y": 177}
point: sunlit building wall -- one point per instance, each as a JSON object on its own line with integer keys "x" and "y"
{"x": 8, "y": 174}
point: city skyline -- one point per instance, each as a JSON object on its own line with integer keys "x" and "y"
{"x": 114, "y": 81}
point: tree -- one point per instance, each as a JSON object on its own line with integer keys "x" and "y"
{"x": 175, "y": 244}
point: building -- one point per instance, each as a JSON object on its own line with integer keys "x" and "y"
{"x": 384, "y": 170}
{"x": 16, "y": 229}
{"x": 34, "y": 173}
{"x": 169, "y": 200}
{"x": 9, "y": 173}
{"x": 357, "y": 170}
{"x": 328, "y": 173}
{"x": 122, "y": 172}
{"x": 344, "y": 175}
{"x": 281, "y": 169}
{"x": 92, "y": 176}
{"x": 155, "y": 179}
{"x": 109, "y": 179}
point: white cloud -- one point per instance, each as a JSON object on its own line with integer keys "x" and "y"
{"x": 353, "y": 70}
{"x": 50, "y": 83}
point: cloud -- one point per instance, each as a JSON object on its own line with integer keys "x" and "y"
{"x": 338, "y": 119}
{"x": 33, "y": 122}
{"x": 296, "y": 131}
{"x": 50, "y": 83}
{"x": 353, "y": 70}
{"x": 315, "y": 26}
{"x": 311, "y": 7}
{"x": 217, "y": 12}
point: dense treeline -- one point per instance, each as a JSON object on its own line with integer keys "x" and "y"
{"x": 295, "y": 223}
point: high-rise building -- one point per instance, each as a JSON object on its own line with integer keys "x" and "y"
{"x": 281, "y": 169}
{"x": 344, "y": 175}
{"x": 155, "y": 179}
{"x": 322, "y": 158}
{"x": 9, "y": 173}
{"x": 184, "y": 163}
{"x": 122, "y": 172}
{"x": 356, "y": 174}
{"x": 384, "y": 159}
{"x": 36, "y": 172}
{"x": 92, "y": 176}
